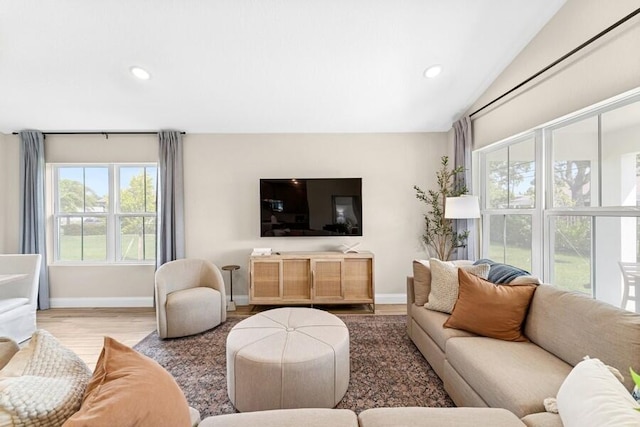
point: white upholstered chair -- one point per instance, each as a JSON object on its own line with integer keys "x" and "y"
{"x": 631, "y": 276}
{"x": 19, "y": 298}
{"x": 190, "y": 297}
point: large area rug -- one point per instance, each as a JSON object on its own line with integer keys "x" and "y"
{"x": 386, "y": 367}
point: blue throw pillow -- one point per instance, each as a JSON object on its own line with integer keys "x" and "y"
{"x": 502, "y": 273}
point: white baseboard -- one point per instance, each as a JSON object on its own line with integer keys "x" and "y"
{"x": 380, "y": 299}
{"x": 101, "y": 302}
{"x": 391, "y": 298}
{"x": 148, "y": 301}
{"x": 239, "y": 299}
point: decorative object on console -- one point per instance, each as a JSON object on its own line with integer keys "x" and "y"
{"x": 490, "y": 310}
{"x": 261, "y": 252}
{"x": 349, "y": 249}
{"x": 439, "y": 236}
{"x": 444, "y": 283}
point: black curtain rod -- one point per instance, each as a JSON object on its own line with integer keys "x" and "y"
{"x": 100, "y": 133}
{"x": 559, "y": 60}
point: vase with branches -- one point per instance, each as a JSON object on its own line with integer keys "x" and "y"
{"x": 439, "y": 236}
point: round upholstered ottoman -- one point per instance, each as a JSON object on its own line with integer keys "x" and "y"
{"x": 288, "y": 358}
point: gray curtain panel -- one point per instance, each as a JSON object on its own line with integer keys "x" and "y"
{"x": 32, "y": 213}
{"x": 170, "y": 198}
{"x": 463, "y": 142}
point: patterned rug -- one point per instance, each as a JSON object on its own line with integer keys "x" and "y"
{"x": 386, "y": 367}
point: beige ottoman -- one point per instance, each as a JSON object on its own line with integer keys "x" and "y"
{"x": 288, "y": 358}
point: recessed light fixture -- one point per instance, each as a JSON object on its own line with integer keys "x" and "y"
{"x": 140, "y": 73}
{"x": 433, "y": 71}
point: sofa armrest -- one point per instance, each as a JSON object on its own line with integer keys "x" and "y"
{"x": 411, "y": 299}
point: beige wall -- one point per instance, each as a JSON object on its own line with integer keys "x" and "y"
{"x": 607, "y": 68}
{"x": 222, "y": 202}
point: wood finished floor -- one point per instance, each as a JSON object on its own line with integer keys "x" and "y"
{"x": 83, "y": 329}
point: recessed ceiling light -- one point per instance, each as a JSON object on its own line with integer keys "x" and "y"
{"x": 433, "y": 71}
{"x": 140, "y": 73}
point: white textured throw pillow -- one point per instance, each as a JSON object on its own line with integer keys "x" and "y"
{"x": 43, "y": 384}
{"x": 444, "y": 283}
{"x": 591, "y": 396}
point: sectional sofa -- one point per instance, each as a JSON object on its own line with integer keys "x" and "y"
{"x": 493, "y": 382}
{"x": 563, "y": 327}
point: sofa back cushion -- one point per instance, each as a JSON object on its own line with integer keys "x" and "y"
{"x": 571, "y": 326}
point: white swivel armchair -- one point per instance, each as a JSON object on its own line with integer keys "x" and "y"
{"x": 19, "y": 297}
{"x": 190, "y": 297}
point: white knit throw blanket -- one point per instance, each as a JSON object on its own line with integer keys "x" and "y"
{"x": 43, "y": 386}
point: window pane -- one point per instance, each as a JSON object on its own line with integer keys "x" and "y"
{"x": 94, "y": 239}
{"x": 522, "y": 174}
{"x": 616, "y": 241}
{"x": 70, "y": 239}
{"x": 137, "y": 189}
{"x": 96, "y": 189}
{"x": 152, "y": 176}
{"x": 83, "y": 189}
{"x": 571, "y": 253}
{"x": 149, "y": 239}
{"x": 82, "y": 238}
{"x": 497, "y": 179}
{"x": 137, "y": 238}
{"x": 620, "y": 148}
{"x": 518, "y": 248}
{"x": 511, "y": 179}
{"x": 575, "y": 161}
{"x": 510, "y": 240}
{"x": 71, "y": 190}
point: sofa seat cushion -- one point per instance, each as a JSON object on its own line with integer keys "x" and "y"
{"x": 192, "y": 310}
{"x": 437, "y": 417}
{"x": 308, "y": 417}
{"x": 12, "y": 303}
{"x": 431, "y": 322}
{"x": 517, "y": 376}
{"x": 543, "y": 419}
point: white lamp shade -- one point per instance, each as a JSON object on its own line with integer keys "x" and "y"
{"x": 462, "y": 207}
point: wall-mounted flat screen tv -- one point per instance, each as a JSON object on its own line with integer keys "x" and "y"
{"x": 297, "y": 207}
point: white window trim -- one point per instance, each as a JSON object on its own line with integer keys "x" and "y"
{"x": 113, "y": 215}
{"x": 544, "y": 210}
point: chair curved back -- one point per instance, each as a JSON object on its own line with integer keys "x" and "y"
{"x": 185, "y": 274}
{"x": 631, "y": 276}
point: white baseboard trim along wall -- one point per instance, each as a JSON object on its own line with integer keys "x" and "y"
{"x": 148, "y": 301}
{"x": 101, "y": 302}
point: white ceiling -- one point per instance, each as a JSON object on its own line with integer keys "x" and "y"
{"x": 254, "y": 66}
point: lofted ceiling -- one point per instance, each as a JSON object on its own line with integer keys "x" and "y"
{"x": 254, "y": 66}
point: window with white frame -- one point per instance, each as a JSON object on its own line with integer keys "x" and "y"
{"x": 105, "y": 213}
{"x": 584, "y": 219}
